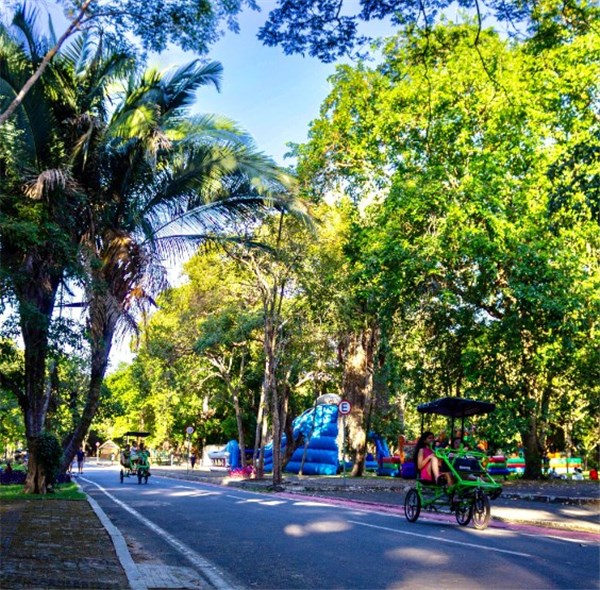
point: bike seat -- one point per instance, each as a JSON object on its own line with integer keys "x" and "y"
{"x": 468, "y": 465}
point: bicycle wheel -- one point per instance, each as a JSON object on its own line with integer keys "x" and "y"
{"x": 481, "y": 511}
{"x": 463, "y": 512}
{"x": 121, "y": 476}
{"x": 412, "y": 505}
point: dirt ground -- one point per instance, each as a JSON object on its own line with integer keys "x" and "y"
{"x": 554, "y": 487}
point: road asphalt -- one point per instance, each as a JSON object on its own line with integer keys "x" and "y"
{"x": 62, "y": 544}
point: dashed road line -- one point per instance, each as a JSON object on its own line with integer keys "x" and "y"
{"x": 212, "y": 573}
{"x": 441, "y": 539}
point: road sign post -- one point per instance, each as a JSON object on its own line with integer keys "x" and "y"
{"x": 344, "y": 408}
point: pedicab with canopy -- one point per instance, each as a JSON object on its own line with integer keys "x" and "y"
{"x": 472, "y": 487}
{"x": 135, "y": 465}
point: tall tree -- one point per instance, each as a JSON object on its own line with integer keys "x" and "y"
{"x": 127, "y": 176}
{"x": 172, "y": 184}
{"x": 273, "y": 273}
{"x": 43, "y": 211}
{"x": 224, "y": 344}
{"x": 469, "y": 229}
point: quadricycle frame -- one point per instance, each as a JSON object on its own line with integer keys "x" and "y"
{"x": 472, "y": 487}
{"x": 134, "y": 467}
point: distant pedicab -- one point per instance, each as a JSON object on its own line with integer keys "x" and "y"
{"x": 472, "y": 487}
{"x": 135, "y": 459}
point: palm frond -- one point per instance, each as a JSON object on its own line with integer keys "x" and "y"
{"x": 180, "y": 86}
{"x": 175, "y": 248}
{"x": 24, "y": 19}
{"x": 77, "y": 52}
{"x": 49, "y": 181}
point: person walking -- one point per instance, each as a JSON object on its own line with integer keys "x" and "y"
{"x": 80, "y": 459}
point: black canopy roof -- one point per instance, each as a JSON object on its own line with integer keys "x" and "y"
{"x": 456, "y": 407}
{"x": 135, "y": 433}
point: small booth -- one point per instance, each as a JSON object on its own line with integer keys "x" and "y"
{"x": 108, "y": 451}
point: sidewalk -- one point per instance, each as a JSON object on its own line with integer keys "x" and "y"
{"x": 56, "y": 544}
{"x": 60, "y": 544}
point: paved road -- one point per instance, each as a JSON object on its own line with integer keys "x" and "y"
{"x": 238, "y": 539}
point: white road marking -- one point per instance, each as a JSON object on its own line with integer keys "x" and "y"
{"x": 135, "y": 577}
{"x": 432, "y": 538}
{"x": 211, "y": 571}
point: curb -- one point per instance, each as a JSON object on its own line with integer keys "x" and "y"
{"x": 135, "y": 578}
{"x": 549, "y": 524}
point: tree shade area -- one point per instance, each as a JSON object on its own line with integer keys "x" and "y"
{"x": 452, "y": 248}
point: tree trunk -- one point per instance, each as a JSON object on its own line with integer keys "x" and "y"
{"x": 35, "y": 483}
{"x": 533, "y": 454}
{"x": 103, "y": 322}
{"x": 240, "y": 426}
{"x": 238, "y": 414}
{"x": 357, "y": 383}
{"x": 259, "y": 438}
{"x": 270, "y": 385}
{"x": 287, "y": 427}
{"x": 36, "y": 304}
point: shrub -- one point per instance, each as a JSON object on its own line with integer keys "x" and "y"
{"x": 18, "y": 478}
{"x": 48, "y": 452}
{"x": 12, "y": 478}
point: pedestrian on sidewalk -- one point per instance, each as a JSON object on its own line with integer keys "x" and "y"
{"x": 80, "y": 459}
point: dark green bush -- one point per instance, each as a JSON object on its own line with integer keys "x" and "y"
{"x": 48, "y": 453}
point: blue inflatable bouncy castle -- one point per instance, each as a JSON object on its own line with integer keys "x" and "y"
{"x": 233, "y": 448}
{"x": 318, "y": 426}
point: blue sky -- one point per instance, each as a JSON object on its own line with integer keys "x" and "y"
{"x": 272, "y": 95}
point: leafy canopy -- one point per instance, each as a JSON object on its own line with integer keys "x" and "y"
{"x": 193, "y": 25}
{"x": 329, "y": 29}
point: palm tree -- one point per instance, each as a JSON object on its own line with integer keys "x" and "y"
{"x": 43, "y": 209}
{"x": 163, "y": 184}
{"x": 116, "y": 188}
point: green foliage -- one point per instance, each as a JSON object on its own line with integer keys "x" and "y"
{"x": 64, "y": 491}
{"x": 190, "y": 24}
{"x": 329, "y": 29}
{"x": 12, "y": 429}
{"x": 456, "y": 188}
{"x": 48, "y": 453}
{"x": 479, "y": 258}
{"x": 117, "y": 178}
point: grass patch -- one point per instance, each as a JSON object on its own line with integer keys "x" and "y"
{"x": 63, "y": 491}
